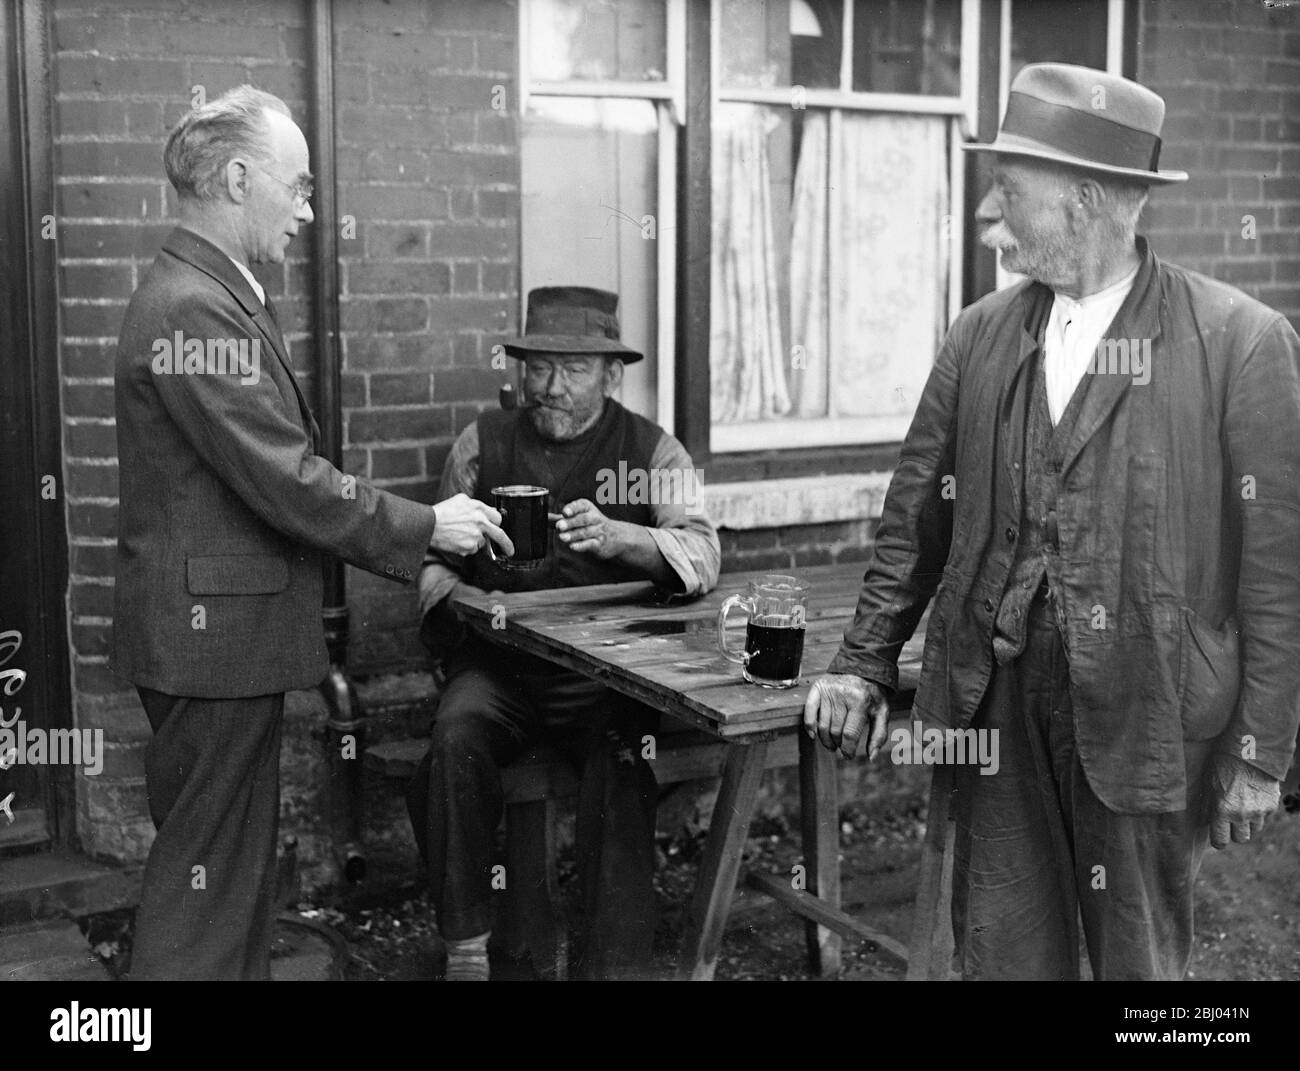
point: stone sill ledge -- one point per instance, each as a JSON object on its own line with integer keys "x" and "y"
{"x": 796, "y": 500}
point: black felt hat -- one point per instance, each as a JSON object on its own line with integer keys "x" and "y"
{"x": 571, "y": 319}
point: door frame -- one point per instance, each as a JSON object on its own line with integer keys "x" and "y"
{"x": 29, "y": 336}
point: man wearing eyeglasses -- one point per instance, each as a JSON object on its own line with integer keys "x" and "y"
{"x": 628, "y": 502}
{"x": 226, "y": 509}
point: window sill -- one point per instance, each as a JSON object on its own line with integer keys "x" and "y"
{"x": 796, "y": 500}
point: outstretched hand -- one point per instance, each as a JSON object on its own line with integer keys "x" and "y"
{"x": 464, "y": 524}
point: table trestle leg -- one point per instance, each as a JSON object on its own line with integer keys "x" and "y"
{"x": 820, "y": 829}
{"x": 737, "y": 798}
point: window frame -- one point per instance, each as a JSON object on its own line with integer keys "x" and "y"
{"x": 669, "y": 100}
{"x": 685, "y": 193}
{"x": 837, "y": 432}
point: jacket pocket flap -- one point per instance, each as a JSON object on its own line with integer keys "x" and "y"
{"x": 236, "y": 574}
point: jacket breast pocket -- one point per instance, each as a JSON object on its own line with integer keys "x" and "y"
{"x": 236, "y": 574}
{"x": 1209, "y": 676}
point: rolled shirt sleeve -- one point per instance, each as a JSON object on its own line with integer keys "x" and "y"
{"x": 684, "y": 535}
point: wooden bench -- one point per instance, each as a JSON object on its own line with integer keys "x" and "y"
{"x": 531, "y": 925}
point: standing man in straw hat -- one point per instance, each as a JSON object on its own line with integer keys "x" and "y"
{"x": 1102, "y": 482}
{"x": 573, "y": 438}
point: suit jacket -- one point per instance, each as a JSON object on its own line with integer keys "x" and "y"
{"x": 1179, "y": 522}
{"x": 226, "y": 508}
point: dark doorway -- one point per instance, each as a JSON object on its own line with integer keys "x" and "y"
{"x": 34, "y": 684}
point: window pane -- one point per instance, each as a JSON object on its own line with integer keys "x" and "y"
{"x": 906, "y": 46}
{"x": 589, "y": 180}
{"x": 829, "y": 266}
{"x": 774, "y": 43}
{"x": 1058, "y": 31}
{"x": 597, "y": 40}
{"x": 890, "y": 303}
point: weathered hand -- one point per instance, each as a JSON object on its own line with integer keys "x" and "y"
{"x": 585, "y": 530}
{"x": 836, "y": 713}
{"x": 465, "y": 524}
{"x": 1243, "y": 797}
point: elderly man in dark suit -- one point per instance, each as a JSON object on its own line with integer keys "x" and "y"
{"x": 226, "y": 509}
{"x": 1102, "y": 482}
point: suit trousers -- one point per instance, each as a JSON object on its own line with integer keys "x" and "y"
{"x": 1035, "y": 849}
{"x": 207, "y": 906}
{"x": 487, "y": 716}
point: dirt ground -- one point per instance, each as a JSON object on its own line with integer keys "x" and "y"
{"x": 1248, "y": 900}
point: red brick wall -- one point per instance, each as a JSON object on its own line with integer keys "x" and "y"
{"x": 429, "y": 178}
{"x": 1229, "y": 71}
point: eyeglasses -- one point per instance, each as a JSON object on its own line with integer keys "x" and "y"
{"x": 301, "y": 191}
{"x": 571, "y": 373}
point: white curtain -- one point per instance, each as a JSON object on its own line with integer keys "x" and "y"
{"x": 809, "y": 321}
{"x": 892, "y": 264}
{"x": 747, "y": 355}
{"x": 865, "y": 349}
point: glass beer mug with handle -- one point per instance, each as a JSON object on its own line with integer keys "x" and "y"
{"x": 773, "y": 652}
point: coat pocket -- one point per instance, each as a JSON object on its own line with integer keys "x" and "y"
{"x": 236, "y": 574}
{"x": 1209, "y": 676}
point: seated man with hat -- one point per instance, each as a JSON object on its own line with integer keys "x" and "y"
{"x": 571, "y": 437}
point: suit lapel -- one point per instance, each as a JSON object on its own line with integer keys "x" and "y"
{"x": 270, "y": 328}
{"x": 202, "y": 254}
{"x": 1035, "y": 304}
{"x": 1138, "y": 320}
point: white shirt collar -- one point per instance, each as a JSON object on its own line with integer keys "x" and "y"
{"x": 1074, "y": 327}
{"x": 1115, "y": 293}
{"x": 257, "y": 287}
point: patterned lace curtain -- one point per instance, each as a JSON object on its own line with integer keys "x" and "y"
{"x": 891, "y": 304}
{"x": 809, "y": 317}
{"x": 747, "y": 355}
{"x": 888, "y": 307}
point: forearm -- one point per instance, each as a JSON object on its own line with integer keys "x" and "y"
{"x": 693, "y": 554}
{"x": 685, "y": 536}
{"x": 914, "y": 536}
{"x": 638, "y": 550}
{"x": 266, "y": 459}
{"x": 1262, "y": 412}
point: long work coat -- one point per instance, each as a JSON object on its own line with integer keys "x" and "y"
{"x": 1179, "y": 517}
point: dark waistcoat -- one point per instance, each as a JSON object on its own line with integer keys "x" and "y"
{"x": 1038, "y": 551}
{"x": 511, "y": 452}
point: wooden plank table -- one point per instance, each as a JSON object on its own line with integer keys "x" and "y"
{"x": 664, "y": 653}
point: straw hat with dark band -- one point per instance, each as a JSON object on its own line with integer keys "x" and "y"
{"x": 571, "y": 319}
{"x": 1085, "y": 118}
